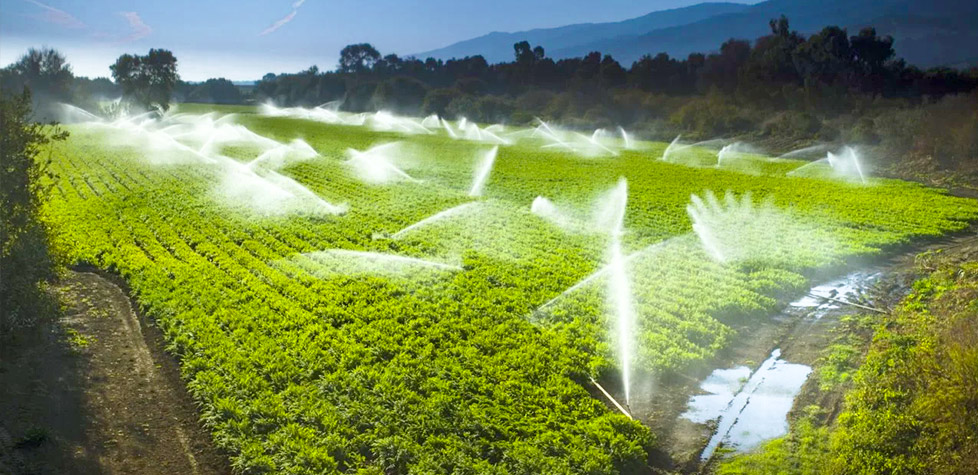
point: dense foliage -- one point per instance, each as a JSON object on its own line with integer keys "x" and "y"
{"x": 782, "y": 90}
{"x": 148, "y": 80}
{"x": 307, "y": 363}
{"x": 913, "y": 406}
{"x": 25, "y": 257}
{"x": 46, "y": 73}
{"x": 820, "y": 74}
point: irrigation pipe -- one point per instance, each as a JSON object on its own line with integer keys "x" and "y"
{"x": 613, "y": 401}
{"x": 848, "y": 303}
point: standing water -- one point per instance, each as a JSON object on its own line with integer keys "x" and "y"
{"x": 749, "y": 412}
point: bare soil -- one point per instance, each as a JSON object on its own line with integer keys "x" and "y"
{"x": 93, "y": 392}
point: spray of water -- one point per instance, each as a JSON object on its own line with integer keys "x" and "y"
{"x": 448, "y": 129}
{"x": 701, "y": 215}
{"x": 281, "y": 155}
{"x": 626, "y": 139}
{"x": 376, "y": 164}
{"x": 546, "y": 209}
{"x": 381, "y": 263}
{"x": 448, "y": 213}
{"x": 175, "y": 139}
{"x": 431, "y": 122}
{"x": 71, "y": 114}
{"x": 737, "y": 151}
{"x": 806, "y": 152}
{"x": 669, "y": 154}
{"x": 739, "y": 230}
{"x": 482, "y": 173}
{"x": 269, "y": 193}
{"x": 844, "y": 165}
{"x": 611, "y": 217}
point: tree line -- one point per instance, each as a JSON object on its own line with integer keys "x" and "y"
{"x": 781, "y": 90}
{"x": 784, "y": 69}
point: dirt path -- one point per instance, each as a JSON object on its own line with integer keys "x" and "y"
{"x": 94, "y": 393}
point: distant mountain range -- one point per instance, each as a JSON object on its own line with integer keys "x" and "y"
{"x": 926, "y": 32}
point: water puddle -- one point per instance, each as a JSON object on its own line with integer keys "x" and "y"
{"x": 824, "y": 298}
{"x": 749, "y": 408}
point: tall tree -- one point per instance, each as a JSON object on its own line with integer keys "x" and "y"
{"x": 148, "y": 80}
{"x": 47, "y": 74}
{"x": 871, "y": 54}
{"x": 825, "y": 58}
{"x": 770, "y": 64}
{"x": 358, "y": 58}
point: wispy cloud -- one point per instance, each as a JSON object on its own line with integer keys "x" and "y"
{"x": 138, "y": 29}
{"x": 63, "y": 18}
{"x": 281, "y": 22}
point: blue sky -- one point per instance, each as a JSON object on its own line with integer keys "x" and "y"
{"x": 243, "y": 40}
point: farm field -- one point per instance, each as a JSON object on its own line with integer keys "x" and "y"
{"x": 324, "y": 323}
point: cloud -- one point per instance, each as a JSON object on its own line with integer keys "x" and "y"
{"x": 280, "y": 23}
{"x": 138, "y": 29}
{"x": 63, "y": 18}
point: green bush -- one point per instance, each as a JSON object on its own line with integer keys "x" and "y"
{"x": 712, "y": 116}
{"x": 25, "y": 259}
{"x": 437, "y": 101}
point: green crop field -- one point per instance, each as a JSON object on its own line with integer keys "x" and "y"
{"x": 318, "y": 335}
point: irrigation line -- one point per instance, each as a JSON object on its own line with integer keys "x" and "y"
{"x": 848, "y": 303}
{"x": 613, "y": 401}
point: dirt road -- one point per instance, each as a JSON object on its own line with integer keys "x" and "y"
{"x": 92, "y": 392}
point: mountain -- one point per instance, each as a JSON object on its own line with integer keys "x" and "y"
{"x": 926, "y": 32}
{"x": 498, "y": 47}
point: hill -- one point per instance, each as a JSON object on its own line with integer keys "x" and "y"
{"x": 927, "y": 33}
{"x": 498, "y": 46}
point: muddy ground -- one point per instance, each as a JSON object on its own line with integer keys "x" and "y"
{"x": 91, "y": 391}
{"x": 801, "y": 339}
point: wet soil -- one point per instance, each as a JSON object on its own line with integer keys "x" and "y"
{"x": 802, "y": 339}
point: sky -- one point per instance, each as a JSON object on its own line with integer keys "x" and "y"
{"x": 242, "y": 40}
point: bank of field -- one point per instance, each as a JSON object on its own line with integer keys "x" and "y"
{"x": 308, "y": 358}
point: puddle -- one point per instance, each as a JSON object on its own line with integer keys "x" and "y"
{"x": 747, "y": 408}
{"x": 817, "y": 302}
{"x": 751, "y": 408}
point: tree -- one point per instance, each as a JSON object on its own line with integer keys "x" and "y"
{"x": 437, "y": 101}
{"x": 24, "y": 246}
{"x": 826, "y": 58}
{"x": 401, "y": 94}
{"x": 147, "y": 80}
{"x": 524, "y": 54}
{"x": 722, "y": 70}
{"x": 612, "y": 74}
{"x": 872, "y": 51}
{"x": 358, "y": 58}
{"x": 657, "y": 74}
{"x": 770, "y": 64}
{"x": 216, "y": 91}
{"x": 47, "y": 74}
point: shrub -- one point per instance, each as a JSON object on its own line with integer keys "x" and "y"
{"x": 25, "y": 259}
